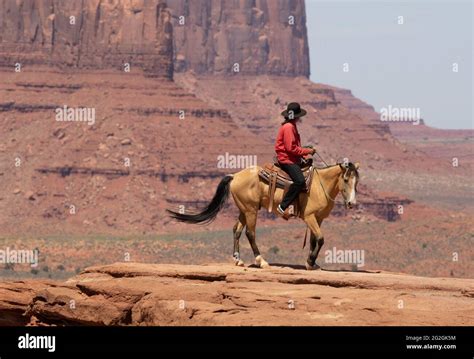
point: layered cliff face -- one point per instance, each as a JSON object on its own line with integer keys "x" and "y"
{"x": 244, "y": 36}
{"x": 248, "y": 37}
{"x": 92, "y": 34}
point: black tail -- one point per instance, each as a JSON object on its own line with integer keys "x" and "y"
{"x": 210, "y": 212}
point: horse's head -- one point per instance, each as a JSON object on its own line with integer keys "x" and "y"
{"x": 348, "y": 182}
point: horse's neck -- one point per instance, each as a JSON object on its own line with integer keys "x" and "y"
{"x": 329, "y": 178}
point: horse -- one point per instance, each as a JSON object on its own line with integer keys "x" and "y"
{"x": 250, "y": 193}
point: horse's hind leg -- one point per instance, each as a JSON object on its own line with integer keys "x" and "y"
{"x": 238, "y": 228}
{"x": 251, "y": 220}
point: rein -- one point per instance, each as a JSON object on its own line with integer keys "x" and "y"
{"x": 321, "y": 159}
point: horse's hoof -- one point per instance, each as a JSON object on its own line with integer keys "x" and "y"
{"x": 239, "y": 263}
{"x": 262, "y": 263}
{"x": 312, "y": 267}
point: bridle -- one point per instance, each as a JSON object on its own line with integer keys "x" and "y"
{"x": 347, "y": 169}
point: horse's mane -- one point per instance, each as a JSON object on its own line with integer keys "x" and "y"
{"x": 351, "y": 167}
{"x": 325, "y": 167}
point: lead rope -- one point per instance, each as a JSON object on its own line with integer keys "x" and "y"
{"x": 327, "y": 198}
{"x": 305, "y": 236}
{"x": 324, "y": 190}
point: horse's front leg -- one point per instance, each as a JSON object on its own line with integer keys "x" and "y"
{"x": 316, "y": 242}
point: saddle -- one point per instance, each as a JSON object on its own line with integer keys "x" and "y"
{"x": 275, "y": 177}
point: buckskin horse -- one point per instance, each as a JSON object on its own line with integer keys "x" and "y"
{"x": 252, "y": 192}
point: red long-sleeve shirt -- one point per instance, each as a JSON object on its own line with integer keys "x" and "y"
{"x": 288, "y": 144}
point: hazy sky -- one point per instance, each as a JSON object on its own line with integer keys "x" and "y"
{"x": 409, "y": 65}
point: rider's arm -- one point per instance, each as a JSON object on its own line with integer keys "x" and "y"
{"x": 291, "y": 145}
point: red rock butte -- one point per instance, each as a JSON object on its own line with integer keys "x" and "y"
{"x": 262, "y": 37}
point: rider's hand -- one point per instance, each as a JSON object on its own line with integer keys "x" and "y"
{"x": 313, "y": 151}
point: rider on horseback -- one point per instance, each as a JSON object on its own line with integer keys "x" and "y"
{"x": 290, "y": 154}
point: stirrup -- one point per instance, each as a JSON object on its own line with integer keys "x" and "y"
{"x": 285, "y": 214}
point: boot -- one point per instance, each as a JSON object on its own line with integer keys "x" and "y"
{"x": 284, "y": 213}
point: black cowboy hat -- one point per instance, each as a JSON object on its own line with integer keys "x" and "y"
{"x": 293, "y": 110}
